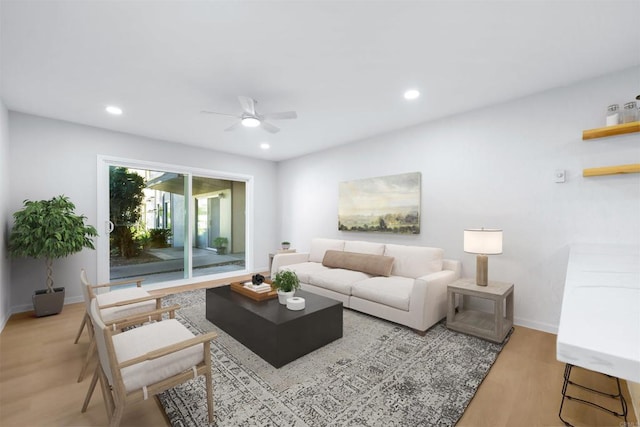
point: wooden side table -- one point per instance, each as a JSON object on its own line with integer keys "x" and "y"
{"x": 491, "y": 326}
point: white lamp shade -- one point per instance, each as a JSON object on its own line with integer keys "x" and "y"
{"x": 483, "y": 241}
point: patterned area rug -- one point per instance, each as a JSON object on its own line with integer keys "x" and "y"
{"x": 378, "y": 374}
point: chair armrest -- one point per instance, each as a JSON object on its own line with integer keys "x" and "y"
{"x": 280, "y": 260}
{"x": 137, "y": 319}
{"x": 200, "y": 339}
{"x": 137, "y": 280}
{"x": 158, "y": 299}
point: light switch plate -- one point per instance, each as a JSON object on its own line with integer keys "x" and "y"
{"x": 560, "y": 175}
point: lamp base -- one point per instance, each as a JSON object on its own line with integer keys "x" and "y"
{"x": 482, "y": 270}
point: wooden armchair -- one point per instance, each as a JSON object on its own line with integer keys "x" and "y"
{"x": 113, "y": 305}
{"x": 147, "y": 360}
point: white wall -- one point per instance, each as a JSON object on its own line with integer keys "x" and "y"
{"x": 492, "y": 167}
{"x": 50, "y": 157}
{"x": 5, "y": 294}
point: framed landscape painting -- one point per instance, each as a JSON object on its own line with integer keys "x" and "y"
{"x": 388, "y": 204}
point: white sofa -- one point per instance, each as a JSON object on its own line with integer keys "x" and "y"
{"x": 403, "y": 284}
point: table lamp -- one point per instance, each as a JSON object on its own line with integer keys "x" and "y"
{"x": 482, "y": 241}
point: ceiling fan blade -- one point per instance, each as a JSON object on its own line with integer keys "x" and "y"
{"x": 233, "y": 126}
{"x": 248, "y": 104}
{"x": 219, "y": 114}
{"x": 269, "y": 127}
{"x": 281, "y": 115}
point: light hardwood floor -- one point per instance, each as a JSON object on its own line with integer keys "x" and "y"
{"x": 39, "y": 365}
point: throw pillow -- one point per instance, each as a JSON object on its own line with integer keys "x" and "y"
{"x": 377, "y": 265}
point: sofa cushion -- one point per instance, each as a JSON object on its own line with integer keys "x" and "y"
{"x": 364, "y": 247}
{"x": 393, "y": 291}
{"x": 376, "y": 265}
{"x": 337, "y": 279}
{"x": 414, "y": 261}
{"x": 303, "y": 269}
{"x": 320, "y": 246}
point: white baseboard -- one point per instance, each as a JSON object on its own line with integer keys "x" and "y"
{"x": 29, "y": 307}
{"x": 540, "y": 326}
{"x": 3, "y": 321}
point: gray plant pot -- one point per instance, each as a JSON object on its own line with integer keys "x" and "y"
{"x": 46, "y": 304}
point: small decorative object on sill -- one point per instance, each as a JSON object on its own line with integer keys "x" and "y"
{"x": 285, "y": 245}
{"x": 630, "y": 112}
{"x": 613, "y": 115}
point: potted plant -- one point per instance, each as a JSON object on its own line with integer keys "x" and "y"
{"x": 286, "y": 283}
{"x": 220, "y": 243}
{"x": 49, "y": 229}
{"x": 285, "y": 245}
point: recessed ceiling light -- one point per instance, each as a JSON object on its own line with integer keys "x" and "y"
{"x": 112, "y": 109}
{"x": 265, "y": 146}
{"x": 250, "y": 122}
{"x": 411, "y": 94}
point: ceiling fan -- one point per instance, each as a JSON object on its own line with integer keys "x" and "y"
{"x": 251, "y": 118}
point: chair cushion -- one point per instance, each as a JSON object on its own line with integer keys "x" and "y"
{"x": 337, "y": 279}
{"x": 139, "y": 341}
{"x": 393, "y": 291}
{"x": 109, "y": 314}
{"x": 376, "y": 265}
{"x": 414, "y": 261}
{"x": 304, "y": 269}
{"x": 320, "y": 246}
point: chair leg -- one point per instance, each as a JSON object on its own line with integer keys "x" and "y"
{"x": 117, "y": 415}
{"x": 82, "y": 325}
{"x": 92, "y": 387}
{"x": 208, "y": 379}
{"x": 107, "y": 396}
{"x": 87, "y": 359}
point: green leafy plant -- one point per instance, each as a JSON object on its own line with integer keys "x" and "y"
{"x": 220, "y": 243}
{"x": 159, "y": 237}
{"x": 286, "y": 281}
{"x": 126, "y": 194}
{"x": 49, "y": 229}
{"x": 285, "y": 243}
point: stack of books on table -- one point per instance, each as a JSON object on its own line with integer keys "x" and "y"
{"x": 264, "y": 287}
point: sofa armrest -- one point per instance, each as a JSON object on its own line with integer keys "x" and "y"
{"x": 429, "y": 298}
{"x": 280, "y": 260}
{"x": 453, "y": 265}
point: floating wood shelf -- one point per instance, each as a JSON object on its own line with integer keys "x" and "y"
{"x": 611, "y": 130}
{"x": 612, "y": 170}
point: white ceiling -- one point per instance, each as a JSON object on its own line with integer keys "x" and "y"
{"x": 342, "y": 65}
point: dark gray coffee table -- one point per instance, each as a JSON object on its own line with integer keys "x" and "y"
{"x": 272, "y": 331}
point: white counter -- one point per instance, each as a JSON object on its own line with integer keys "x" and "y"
{"x": 600, "y": 319}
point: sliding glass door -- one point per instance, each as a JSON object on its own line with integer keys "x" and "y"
{"x": 168, "y": 225}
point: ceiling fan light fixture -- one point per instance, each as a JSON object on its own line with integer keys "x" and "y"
{"x": 412, "y": 94}
{"x": 250, "y": 122}
{"x": 112, "y": 109}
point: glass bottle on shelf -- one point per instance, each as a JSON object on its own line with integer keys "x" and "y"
{"x": 630, "y": 112}
{"x": 613, "y": 115}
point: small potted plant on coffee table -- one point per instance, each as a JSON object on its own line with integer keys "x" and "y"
{"x": 286, "y": 283}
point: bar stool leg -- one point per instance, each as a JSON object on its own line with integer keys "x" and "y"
{"x": 618, "y": 396}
